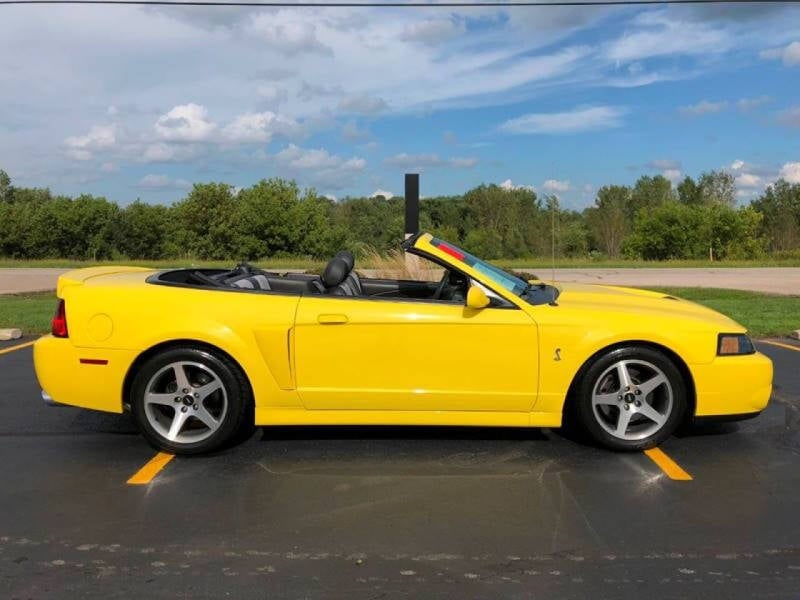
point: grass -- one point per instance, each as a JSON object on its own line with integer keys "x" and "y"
{"x": 306, "y": 263}
{"x": 763, "y": 314}
{"x": 30, "y": 312}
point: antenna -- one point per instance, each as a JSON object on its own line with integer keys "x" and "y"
{"x": 553, "y": 235}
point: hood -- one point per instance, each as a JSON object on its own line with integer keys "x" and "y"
{"x": 643, "y": 304}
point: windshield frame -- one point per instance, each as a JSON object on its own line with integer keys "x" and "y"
{"x": 497, "y": 276}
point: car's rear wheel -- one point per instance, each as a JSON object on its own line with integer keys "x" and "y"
{"x": 631, "y": 398}
{"x": 190, "y": 400}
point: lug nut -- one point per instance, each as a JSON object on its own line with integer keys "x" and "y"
{"x": 177, "y": 399}
{"x": 638, "y": 392}
{"x": 185, "y": 390}
{"x": 195, "y": 406}
{"x": 638, "y": 403}
{"x": 627, "y": 407}
{"x": 184, "y": 408}
{"x": 618, "y": 397}
{"x": 196, "y": 395}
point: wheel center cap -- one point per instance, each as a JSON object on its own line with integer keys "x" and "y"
{"x": 188, "y": 400}
{"x": 629, "y": 398}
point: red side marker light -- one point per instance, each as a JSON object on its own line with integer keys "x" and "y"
{"x": 59, "y": 324}
{"x": 93, "y": 361}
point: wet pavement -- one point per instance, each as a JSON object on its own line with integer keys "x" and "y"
{"x": 391, "y": 512}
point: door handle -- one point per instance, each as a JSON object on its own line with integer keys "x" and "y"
{"x": 332, "y": 319}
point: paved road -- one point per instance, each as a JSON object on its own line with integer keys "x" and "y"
{"x": 395, "y": 512}
{"x": 776, "y": 280}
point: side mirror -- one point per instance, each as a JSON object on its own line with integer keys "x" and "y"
{"x": 477, "y": 298}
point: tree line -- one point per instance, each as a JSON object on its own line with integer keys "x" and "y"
{"x": 651, "y": 220}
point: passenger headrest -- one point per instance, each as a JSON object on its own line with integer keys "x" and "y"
{"x": 347, "y": 257}
{"x": 335, "y": 273}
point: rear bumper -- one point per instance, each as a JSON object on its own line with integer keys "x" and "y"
{"x": 733, "y": 386}
{"x": 67, "y": 379}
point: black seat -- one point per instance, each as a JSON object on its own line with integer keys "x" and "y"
{"x": 335, "y": 278}
{"x": 355, "y": 282}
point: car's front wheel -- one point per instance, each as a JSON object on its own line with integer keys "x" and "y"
{"x": 190, "y": 400}
{"x": 631, "y": 398}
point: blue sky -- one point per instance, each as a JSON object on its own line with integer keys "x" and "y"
{"x": 133, "y": 102}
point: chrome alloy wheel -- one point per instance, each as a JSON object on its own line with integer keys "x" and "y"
{"x": 632, "y": 399}
{"x": 185, "y": 402}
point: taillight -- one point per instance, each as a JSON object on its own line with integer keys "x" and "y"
{"x": 59, "y": 328}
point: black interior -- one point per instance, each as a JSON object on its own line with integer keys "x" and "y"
{"x": 338, "y": 279}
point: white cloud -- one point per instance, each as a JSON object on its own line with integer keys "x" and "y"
{"x": 656, "y": 34}
{"x": 580, "y": 119}
{"x": 790, "y": 55}
{"x": 746, "y": 104}
{"x": 109, "y": 167}
{"x": 556, "y": 185}
{"x": 432, "y": 31}
{"x": 510, "y": 185}
{"x": 290, "y": 38}
{"x": 407, "y": 161}
{"x": 159, "y": 152}
{"x": 319, "y": 166}
{"x": 185, "y": 123}
{"x": 100, "y": 137}
{"x": 381, "y": 192}
{"x": 272, "y": 94}
{"x": 672, "y": 174}
{"x": 749, "y": 180}
{"x": 363, "y": 104}
{"x": 791, "y": 172}
{"x": 704, "y": 107}
{"x": 259, "y": 127}
{"x": 737, "y": 165}
{"x": 155, "y": 182}
{"x": 353, "y": 133}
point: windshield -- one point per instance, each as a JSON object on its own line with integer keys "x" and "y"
{"x": 493, "y": 274}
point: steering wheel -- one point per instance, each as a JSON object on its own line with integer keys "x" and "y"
{"x": 442, "y": 284}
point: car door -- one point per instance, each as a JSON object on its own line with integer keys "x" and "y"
{"x": 373, "y": 354}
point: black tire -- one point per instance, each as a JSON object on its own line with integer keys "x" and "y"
{"x": 233, "y": 422}
{"x": 598, "y": 374}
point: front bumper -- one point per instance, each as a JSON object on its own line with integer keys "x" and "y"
{"x": 66, "y": 380}
{"x": 733, "y": 385}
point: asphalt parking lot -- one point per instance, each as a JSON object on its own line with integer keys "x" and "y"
{"x": 395, "y": 512}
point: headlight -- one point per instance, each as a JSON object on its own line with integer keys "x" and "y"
{"x": 729, "y": 344}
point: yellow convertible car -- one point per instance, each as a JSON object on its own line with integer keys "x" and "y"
{"x": 201, "y": 355}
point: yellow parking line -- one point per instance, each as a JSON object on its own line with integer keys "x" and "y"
{"x": 151, "y": 469}
{"x": 781, "y": 345}
{"x": 669, "y": 466}
{"x": 17, "y": 347}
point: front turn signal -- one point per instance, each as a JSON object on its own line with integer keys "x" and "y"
{"x": 731, "y": 344}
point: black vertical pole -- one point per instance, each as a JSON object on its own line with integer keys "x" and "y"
{"x": 412, "y": 204}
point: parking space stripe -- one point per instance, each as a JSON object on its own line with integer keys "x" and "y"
{"x": 781, "y": 345}
{"x": 146, "y": 474}
{"x": 672, "y": 469}
{"x": 17, "y": 347}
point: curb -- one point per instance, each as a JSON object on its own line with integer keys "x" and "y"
{"x": 10, "y": 334}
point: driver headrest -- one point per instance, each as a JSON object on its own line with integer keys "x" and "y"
{"x": 335, "y": 273}
{"x": 347, "y": 257}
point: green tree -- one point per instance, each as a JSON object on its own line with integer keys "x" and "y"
{"x": 5, "y": 187}
{"x": 608, "y": 219}
{"x": 205, "y": 222}
{"x": 142, "y": 231}
{"x": 649, "y": 192}
{"x": 780, "y": 207}
{"x": 717, "y": 187}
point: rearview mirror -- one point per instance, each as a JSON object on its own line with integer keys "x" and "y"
{"x": 477, "y": 298}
